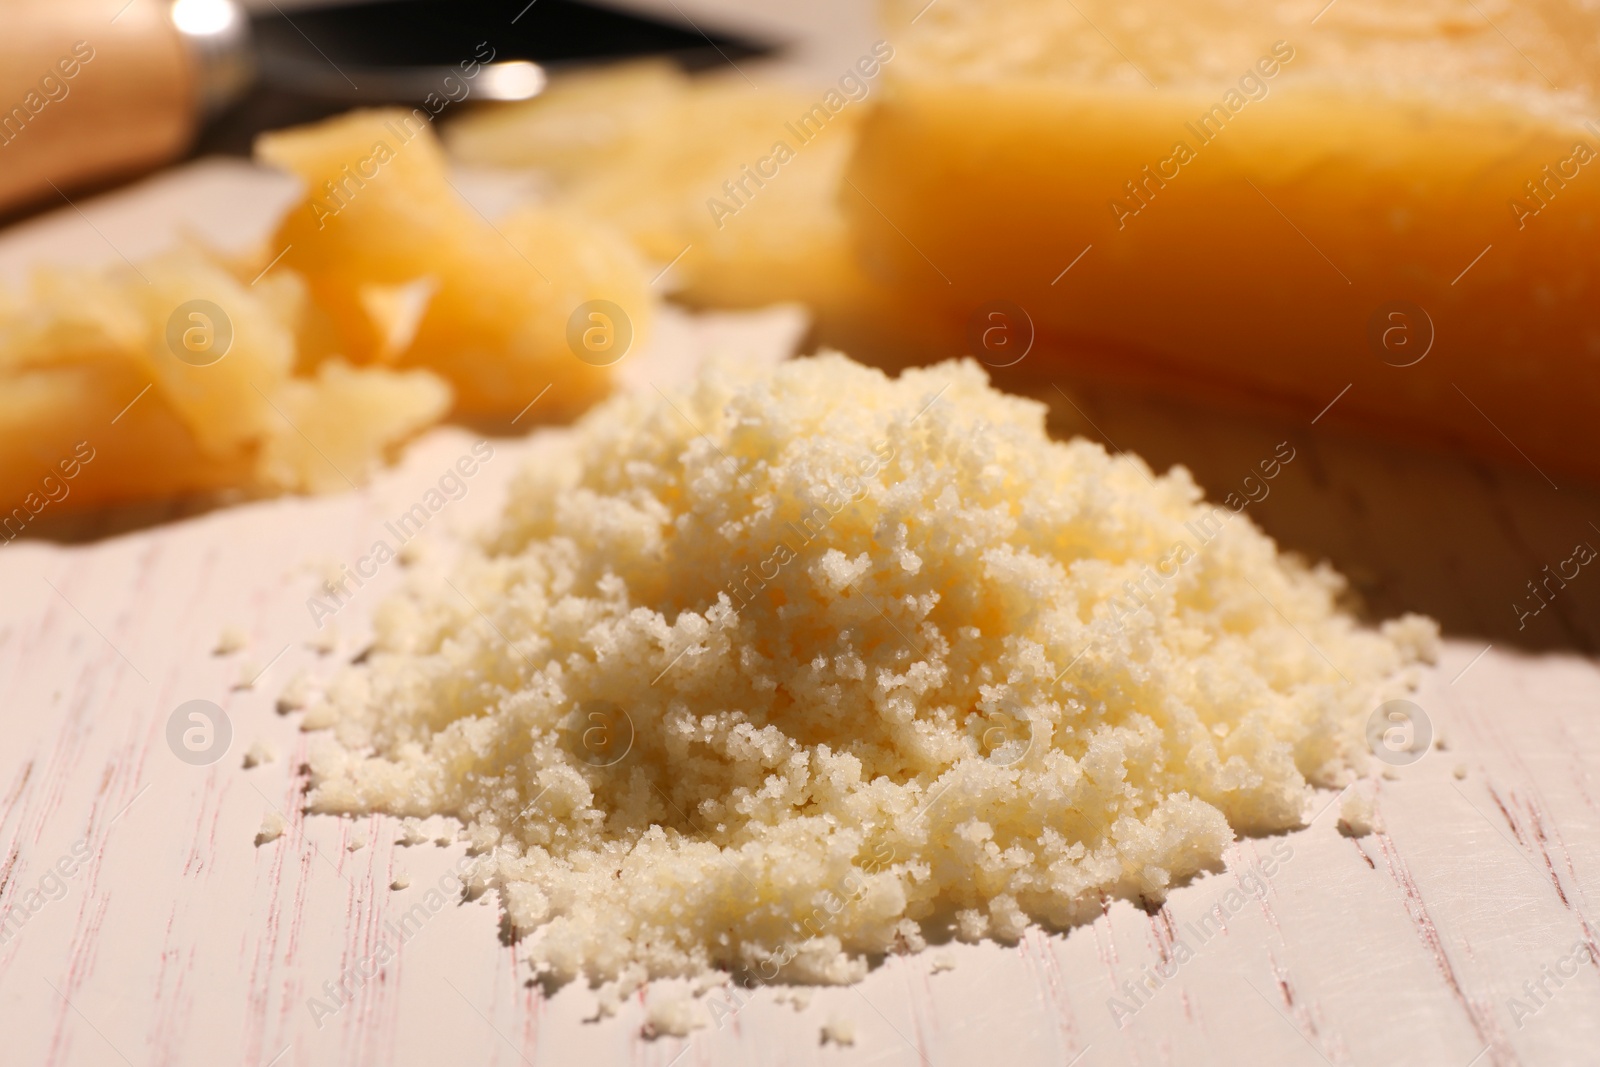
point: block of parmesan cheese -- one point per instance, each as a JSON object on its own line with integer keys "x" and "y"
{"x": 1276, "y": 201}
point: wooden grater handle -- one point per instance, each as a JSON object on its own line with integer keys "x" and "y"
{"x": 88, "y": 92}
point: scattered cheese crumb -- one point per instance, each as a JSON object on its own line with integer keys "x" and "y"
{"x": 673, "y": 1013}
{"x": 798, "y": 998}
{"x": 942, "y": 961}
{"x": 1358, "y": 815}
{"x": 412, "y": 552}
{"x": 401, "y": 881}
{"x": 752, "y": 656}
{"x": 249, "y": 673}
{"x": 296, "y": 695}
{"x": 230, "y": 640}
{"x": 839, "y": 1030}
{"x": 358, "y": 839}
{"x": 610, "y": 995}
{"x": 1460, "y": 770}
{"x": 272, "y": 827}
{"x": 258, "y": 753}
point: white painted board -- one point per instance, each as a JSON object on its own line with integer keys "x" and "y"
{"x": 179, "y": 941}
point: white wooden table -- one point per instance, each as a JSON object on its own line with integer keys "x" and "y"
{"x": 179, "y": 941}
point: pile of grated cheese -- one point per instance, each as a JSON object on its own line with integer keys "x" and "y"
{"x": 804, "y": 664}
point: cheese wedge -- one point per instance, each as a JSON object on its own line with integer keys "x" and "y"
{"x": 1275, "y": 201}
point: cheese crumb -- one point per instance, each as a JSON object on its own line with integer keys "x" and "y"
{"x": 296, "y": 694}
{"x": 839, "y": 1030}
{"x": 610, "y": 995}
{"x": 260, "y": 752}
{"x": 249, "y": 673}
{"x": 1358, "y": 815}
{"x": 673, "y": 1013}
{"x": 767, "y": 675}
{"x": 798, "y": 998}
{"x": 272, "y": 826}
{"x": 232, "y": 639}
{"x": 401, "y": 881}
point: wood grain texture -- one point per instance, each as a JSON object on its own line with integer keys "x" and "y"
{"x": 180, "y": 941}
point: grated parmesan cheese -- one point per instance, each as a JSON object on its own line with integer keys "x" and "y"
{"x": 775, "y": 674}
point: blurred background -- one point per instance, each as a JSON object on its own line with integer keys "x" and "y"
{"x": 1457, "y": 504}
